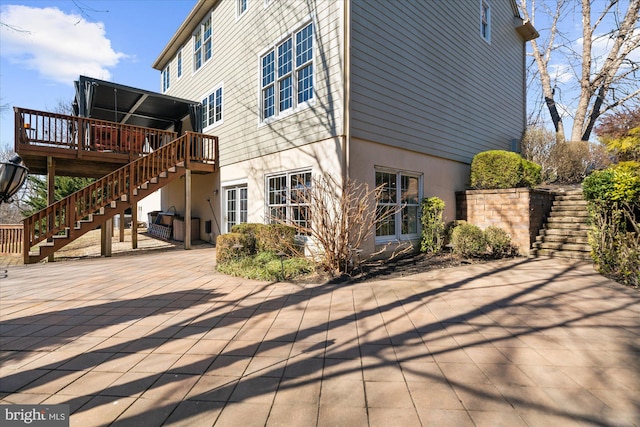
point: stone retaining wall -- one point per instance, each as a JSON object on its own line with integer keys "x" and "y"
{"x": 521, "y": 212}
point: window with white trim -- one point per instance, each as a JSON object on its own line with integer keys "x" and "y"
{"x": 485, "y": 20}
{"x": 287, "y": 74}
{"x": 179, "y": 63}
{"x": 236, "y": 207}
{"x": 398, "y": 205}
{"x": 202, "y": 44}
{"x": 287, "y": 198}
{"x": 241, "y": 7}
{"x": 212, "y": 108}
{"x": 166, "y": 76}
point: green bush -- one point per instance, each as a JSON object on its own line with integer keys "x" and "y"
{"x": 251, "y": 230}
{"x": 614, "y": 206}
{"x": 267, "y": 266}
{"x": 225, "y": 249}
{"x": 498, "y": 242}
{"x": 495, "y": 169}
{"x": 432, "y": 225}
{"x": 468, "y": 240}
{"x": 531, "y": 173}
{"x": 276, "y": 238}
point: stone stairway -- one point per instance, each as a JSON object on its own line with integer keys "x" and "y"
{"x": 564, "y": 235}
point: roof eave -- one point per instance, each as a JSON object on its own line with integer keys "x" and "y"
{"x": 184, "y": 32}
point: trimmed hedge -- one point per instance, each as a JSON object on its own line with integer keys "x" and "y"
{"x": 432, "y": 225}
{"x": 255, "y": 238}
{"x": 225, "y": 243}
{"x": 468, "y": 240}
{"x": 496, "y": 169}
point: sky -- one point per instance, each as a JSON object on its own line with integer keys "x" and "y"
{"x": 45, "y": 45}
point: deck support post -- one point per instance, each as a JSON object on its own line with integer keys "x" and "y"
{"x": 134, "y": 225}
{"x": 187, "y": 209}
{"x": 106, "y": 238}
{"x": 51, "y": 195}
{"x": 121, "y": 228}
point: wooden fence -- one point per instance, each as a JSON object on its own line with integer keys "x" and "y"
{"x": 11, "y": 238}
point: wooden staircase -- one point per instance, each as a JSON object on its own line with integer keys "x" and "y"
{"x": 59, "y": 224}
{"x": 565, "y": 234}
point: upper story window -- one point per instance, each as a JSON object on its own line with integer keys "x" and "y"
{"x": 179, "y": 63}
{"x": 287, "y": 74}
{"x": 485, "y": 20}
{"x": 398, "y": 206}
{"x": 202, "y": 45}
{"x": 241, "y": 7}
{"x": 166, "y": 76}
{"x": 212, "y": 108}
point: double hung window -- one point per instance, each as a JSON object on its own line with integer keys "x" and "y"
{"x": 202, "y": 44}
{"x": 287, "y": 74}
{"x": 166, "y": 76}
{"x": 212, "y": 108}
{"x": 398, "y": 205}
{"x": 288, "y": 198}
{"x": 485, "y": 20}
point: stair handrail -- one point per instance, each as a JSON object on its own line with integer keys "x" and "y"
{"x": 63, "y": 214}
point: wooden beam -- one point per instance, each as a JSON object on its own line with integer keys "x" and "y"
{"x": 121, "y": 228}
{"x": 134, "y": 225}
{"x": 51, "y": 194}
{"x": 106, "y": 238}
{"x": 187, "y": 209}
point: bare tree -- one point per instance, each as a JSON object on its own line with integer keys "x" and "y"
{"x": 338, "y": 217}
{"x": 602, "y": 82}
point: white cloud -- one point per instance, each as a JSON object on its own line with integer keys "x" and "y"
{"x": 59, "y": 46}
{"x": 561, "y": 73}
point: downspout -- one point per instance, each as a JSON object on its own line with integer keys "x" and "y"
{"x": 346, "y": 88}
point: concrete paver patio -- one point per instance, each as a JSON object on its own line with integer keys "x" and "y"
{"x": 163, "y": 339}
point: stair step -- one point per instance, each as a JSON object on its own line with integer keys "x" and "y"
{"x": 566, "y": 219}
{"x": 573, "y": 196}
{"x": 569, "y": 213}
{"x": 560, "y": 254}
{"x": 559, "y": 246}
{"x": 560, "y": 238}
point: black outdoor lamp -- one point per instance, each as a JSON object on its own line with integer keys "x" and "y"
{"x": 12, "y": 175}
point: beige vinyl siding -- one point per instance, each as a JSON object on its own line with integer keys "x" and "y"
{"x": 423, "y": 78}
{"x": 237, "y": 47}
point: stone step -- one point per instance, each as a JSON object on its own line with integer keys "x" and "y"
{"x": 570, "y": 197}
{"x": 566, "y": 219}
{"x": 559, "y": 246}
{"x": 569, "y": 212}
{"x": 560, "y": 238}
{"x": 577, "y": 255}
{"x": 570, "y": 205}
{"x": 572, "y": 226}
{"x": 563, "y": 232}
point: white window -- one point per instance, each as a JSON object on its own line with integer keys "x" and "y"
{"x": 287, "y": 74}
{"x": 287, "y": 199}
{"x": 241, "y": 7}
{"x": 212, "y": 108}
{"x": 485, "y": 20}
{"x": 202, "y": 44}
{"x": 235, "y": 206}
{"x": 398, "y": 206}
{"x": 179, "y": 63}
{"x": 166, "y": 76}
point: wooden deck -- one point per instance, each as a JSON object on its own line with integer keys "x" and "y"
{"x": 79, "y": 146}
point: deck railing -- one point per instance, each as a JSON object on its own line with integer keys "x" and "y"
{"x": 63, "y": 214}
{"x": 43, "y": 129}
{"x": 11, "y": 237}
